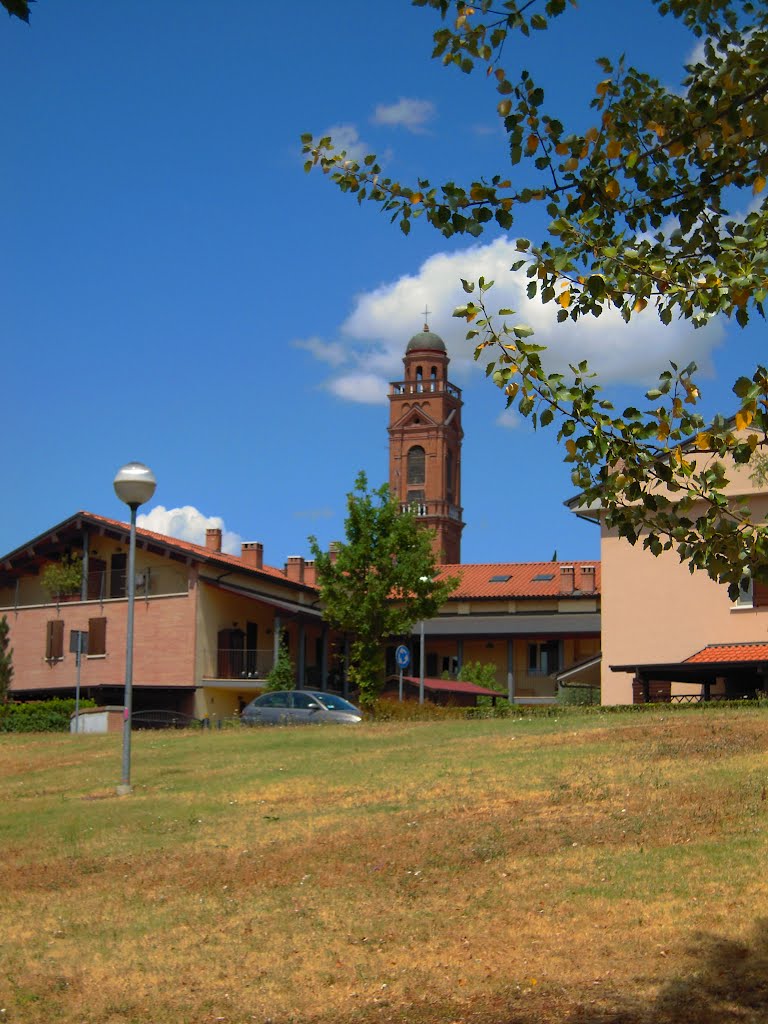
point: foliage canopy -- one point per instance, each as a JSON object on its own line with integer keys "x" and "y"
{"x": 6, "y": 660}
{"x": 658, "y": 204}
{"x": 17, "y": 8}
{"x": 379, "y": 582}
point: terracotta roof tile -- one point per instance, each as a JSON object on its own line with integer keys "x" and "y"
{"x": 196, "y": 550}
{"x": 453, "y": 686}
{"x": 757, "y": 651}
{"x": 523, "y": 579}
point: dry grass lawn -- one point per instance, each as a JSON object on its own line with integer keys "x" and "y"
{"x": 585, "y": 869}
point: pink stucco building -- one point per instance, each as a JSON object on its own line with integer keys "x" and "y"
{"x": 668, "y": 633}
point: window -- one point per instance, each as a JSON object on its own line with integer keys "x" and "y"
{"x": 273, "y": 700}
{"x": 304, "y": 701}
{"x": 117, "y": 575}
{"x": 416, "y": 465}
{"x": 97, "y": 573}
{"x": 449, "y": 473}
{"x": 97, "y": 636}
{"x": 500, "y": 579}
{"x": 54, "y": 640}
{"x": 543, "y": 658}
{"x": 746, "y": 597}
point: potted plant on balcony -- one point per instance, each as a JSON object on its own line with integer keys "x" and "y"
{"x": 63, "y": 579}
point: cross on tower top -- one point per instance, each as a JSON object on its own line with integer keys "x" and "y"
{"x": 427, "y": 311}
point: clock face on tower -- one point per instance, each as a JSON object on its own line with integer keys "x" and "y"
{"x": 425, "y": 442}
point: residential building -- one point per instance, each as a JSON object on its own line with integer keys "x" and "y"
{"x": 208, "y": 625}
{"x": 669, "y": 634}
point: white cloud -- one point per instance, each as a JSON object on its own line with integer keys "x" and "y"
{"x": 322, "y": 512}
{"x": 508, "y": 418}
{"x": 406, "y": 113}
{"x": 375, "y": 333}
{"x": 367, "y": 388}
{"x": 347, "y": 139}
{"x": 188, "y": 524}
{"x": 331, "y": 352}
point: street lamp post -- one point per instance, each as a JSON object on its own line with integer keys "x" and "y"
{"x": 421, "y": 662}
{"x": 134, "y": 484}
{"x": 422, "y": 579}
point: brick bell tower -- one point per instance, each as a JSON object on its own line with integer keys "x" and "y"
{"x": 425, "y": 442}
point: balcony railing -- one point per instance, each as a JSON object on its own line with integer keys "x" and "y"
{"x": 423, "y": 509}
{"x": 425, "y": 387}
{"x": 101, "y": 585}
{"x": 240, "y": 663}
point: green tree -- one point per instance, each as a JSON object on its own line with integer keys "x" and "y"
{"x": 659, "y": 202}
{"x": 481, "y": 674}
{"x": 63, "y": 577}
{"x": 379, "y": 582}
{"x": 282, "y": 676}
{"x": 18, "y": 8}
{"x": 6, "y": 660}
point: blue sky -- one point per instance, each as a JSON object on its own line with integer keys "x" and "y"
{"x": 175, "y": 289}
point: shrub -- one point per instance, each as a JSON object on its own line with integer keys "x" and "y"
{"x": 283, "y": 674}
{"x": 569, "y": 696}
{"x": 63, "y": 577}
{"x": 384, "y": 709}
{"x": 40, "y": 715}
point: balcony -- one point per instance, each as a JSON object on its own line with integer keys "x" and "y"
{"x": 239, "y": 663}
{"x": 102, "y": 586}
{"x": 425, "y": 387}
{"x": 425, "y": 509}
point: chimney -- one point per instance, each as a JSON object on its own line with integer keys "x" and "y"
{"x": 213, "y": 539}
{"x": 294, "y": 569}
{"x": 252, "y": 553}
{"x": 587, "y": 579}
{"x": 567, "y": 581}
{"x": 333, "y": 550}
{"x": 310, "y": 576}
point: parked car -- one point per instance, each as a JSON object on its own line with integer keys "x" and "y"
{"x": 299, "y": 707}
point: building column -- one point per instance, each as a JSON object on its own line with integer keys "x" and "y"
{"x": 86, "y": 553}
{"x": 301, "y": 656}
{"x": 276, "y": 630}
{"x": 459, "y": 656}
{"x": 510, "y": 670}
{"x": 324, "y": 657}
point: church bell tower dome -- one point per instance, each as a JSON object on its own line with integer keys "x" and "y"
{"x": 426, "y": 341}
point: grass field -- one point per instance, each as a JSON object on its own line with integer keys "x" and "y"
{"x": 582, "y": 869}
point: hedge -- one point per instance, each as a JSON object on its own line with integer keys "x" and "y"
{"x": 40, "y": 715}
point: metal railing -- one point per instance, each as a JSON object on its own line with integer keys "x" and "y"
{"x": 100, "y": 586}
{"x": 240, "y": 663}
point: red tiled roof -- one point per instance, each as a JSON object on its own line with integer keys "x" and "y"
{"x": 453, "y": 686}
{"x": 475, "y": 579}
{"x": 730, "y": 652}
{"x": 197, "y": 550}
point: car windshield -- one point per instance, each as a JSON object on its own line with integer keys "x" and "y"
{"x": 333, "y": 703}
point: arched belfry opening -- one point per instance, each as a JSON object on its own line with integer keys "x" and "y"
{"x": 425, "y": 437}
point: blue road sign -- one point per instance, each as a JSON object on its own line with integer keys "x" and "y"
{"x": 402, "y": 656}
